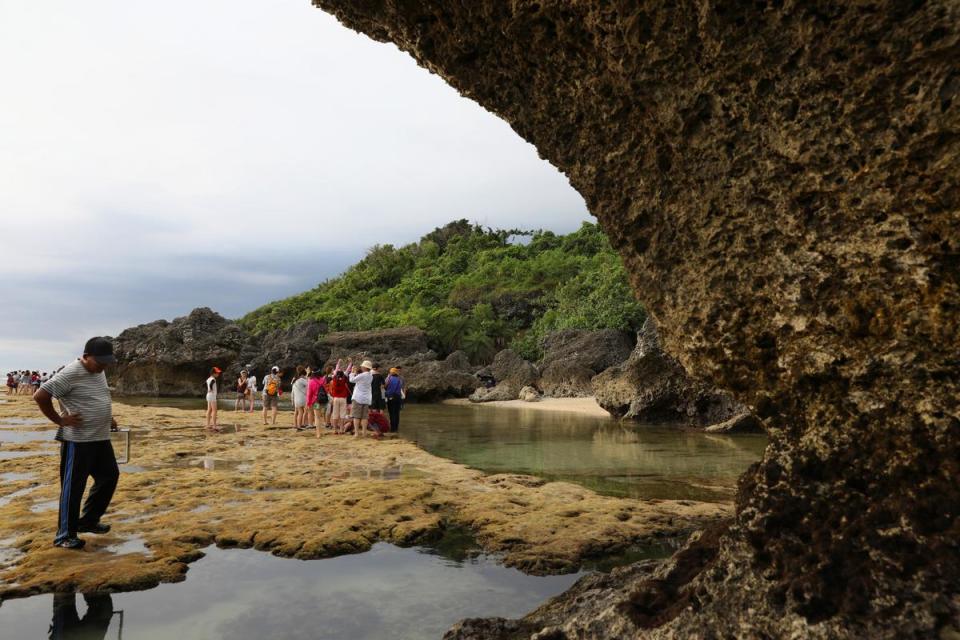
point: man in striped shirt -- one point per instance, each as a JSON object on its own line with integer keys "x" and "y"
{"x": 84, "y": 435}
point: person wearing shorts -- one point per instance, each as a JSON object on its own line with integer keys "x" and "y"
{"x": 299, "y": 388}
{"x": 211, "y": 385}
{"x": 338, "y": 390}
{"x": 271, "y": 401}
{"x": 362, "y": 397}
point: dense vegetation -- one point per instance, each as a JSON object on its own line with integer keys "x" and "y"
{"x": 474, "y": 289}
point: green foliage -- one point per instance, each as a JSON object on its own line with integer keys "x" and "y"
{"x": 473, "y": 289}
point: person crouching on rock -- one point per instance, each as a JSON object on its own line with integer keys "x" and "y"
{"x": 212, "y": 400}
{"x": 362, "y": 397}
{"x": 84, "y": 434}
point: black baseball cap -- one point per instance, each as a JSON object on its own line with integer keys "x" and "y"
{"x": 101, "y": 349}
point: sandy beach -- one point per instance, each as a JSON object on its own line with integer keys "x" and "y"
{"x": 581, "y": 406}
{"x": 293, "y": 495}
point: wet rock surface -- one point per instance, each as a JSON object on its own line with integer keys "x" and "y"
{"x": 652, "y": 387}
{"x": 572, "y": 357}
{"x": 294, "y": 495}
{"x": 780, "y": 180}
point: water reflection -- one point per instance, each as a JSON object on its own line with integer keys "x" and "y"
{"x": 68, "y": 624}
{"x": 387, "y": 592}
{"x": 605, "y": 455}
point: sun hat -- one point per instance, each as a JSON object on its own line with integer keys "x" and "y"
{"x": 366, "y": 364}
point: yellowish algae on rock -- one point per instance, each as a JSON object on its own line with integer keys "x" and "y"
{"x": 294, "y": 495}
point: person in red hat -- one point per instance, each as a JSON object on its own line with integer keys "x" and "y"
{"x": 212, "y": 400}
{"x": 83, "y": 430}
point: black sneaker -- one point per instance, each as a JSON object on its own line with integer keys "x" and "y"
{"x": 70, "y": 543}
{"x": 98, "y": 527}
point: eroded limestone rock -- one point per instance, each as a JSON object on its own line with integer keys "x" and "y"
{"x": 780, "y": 179}
{"x": 652, "y": 387}
{"x": 511, "y": 374}
{"x": 572, "y": 357}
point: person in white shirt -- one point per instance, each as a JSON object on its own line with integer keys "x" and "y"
{"x": 362, "y": 397}
{"x": 252, "y": 387}
{"x": 212, "y": 400}
{"x": 300, "y": 399}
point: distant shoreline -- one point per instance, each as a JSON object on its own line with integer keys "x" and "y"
{"x": 581, "y": 406}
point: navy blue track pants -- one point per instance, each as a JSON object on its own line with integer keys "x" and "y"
{"x": 79, "y": 461}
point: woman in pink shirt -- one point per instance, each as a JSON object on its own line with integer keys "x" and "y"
{"x": 315, "y": 412}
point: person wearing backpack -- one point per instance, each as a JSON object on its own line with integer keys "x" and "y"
{"x": 338, "y": 391}
{"x": 316, "y": 401}
{"x": 271, "y": 393}
{"x": 326, "y": 380}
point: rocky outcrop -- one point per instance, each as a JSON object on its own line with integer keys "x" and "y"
{"x": 780, "y": 180}
{"x": 652, "y": 387}
{"x": 511, "y": 374}
{"x": 404, "y": 345}
{"x": 174, "y": 358}
{"x": 430, "y": 380}
{"x": 529, "y": 394}
{"x": 285, "y": 348}
{"x": 572, "y": 357}
{"x": 427, "y": 377}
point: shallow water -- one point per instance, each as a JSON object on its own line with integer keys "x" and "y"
{"x": 606, "y": 455}
{"x": 387, "y": 592}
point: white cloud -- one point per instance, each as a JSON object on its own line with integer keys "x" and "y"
{"x": 146, "y": 142}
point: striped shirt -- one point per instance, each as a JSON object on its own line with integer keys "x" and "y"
{"x": 80, "y": 391}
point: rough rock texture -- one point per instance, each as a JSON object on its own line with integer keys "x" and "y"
{"x": 571, "y": 357}
{"x": 781, "y": 181}
{"x": 427, "y": 378}
{"x": 284, "y": 348}
{"x": 529, "y": 394}
{"x": 511, "y": 373}
{"x": 651, "y": 387}
{"x": 742, "y": 423}
{"x": 390, "y": 346}
{"x": 174, "y": 358}
{"x": 430, "y": 380}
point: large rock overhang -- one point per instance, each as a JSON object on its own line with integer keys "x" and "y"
{"x": 781, "y": 180}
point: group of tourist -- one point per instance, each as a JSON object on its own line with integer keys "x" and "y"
{"x": 342, "y": 400}
{"x": 26, "y": 382}
{"x": 336, "y": 399}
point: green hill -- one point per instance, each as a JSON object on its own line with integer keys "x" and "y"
{"x": 474, "y": 289}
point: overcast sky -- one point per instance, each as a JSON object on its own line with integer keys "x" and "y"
{"x": 159, "y": 156}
